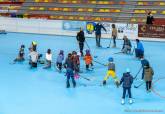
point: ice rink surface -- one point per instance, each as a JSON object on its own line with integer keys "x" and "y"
{"x": 39, "y": 91}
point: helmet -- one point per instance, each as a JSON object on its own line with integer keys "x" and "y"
{"x": 69, "y": 55}
{"x": 61, "y": 51}
{"x": 110, "y": 59}
{"x": 22, "y": 46}
{"x": 128, "y": 70}
{"x": 146, "y": 65}
{"x": 87, "y": 51}
{"x": 34, "y": 43}
{"x": 74, "y": 52}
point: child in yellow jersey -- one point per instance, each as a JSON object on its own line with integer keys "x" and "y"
{"x": 111, "y": 72}
{"x": 88, "y": 59}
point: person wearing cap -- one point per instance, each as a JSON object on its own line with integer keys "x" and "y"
{"x": 126, "y": 45}
{"x": 81, "y": 39}
{"x": 148, "y": 76}
{"x": 111, "y": 72}
{"x": 139, "y": 51}
{"x": 88, "y": 59}
{"x": 97, "y": 29}
{"x": 126, "y": 81}
{"x": 69, "y": 65}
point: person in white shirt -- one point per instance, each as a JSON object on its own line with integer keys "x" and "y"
{"x": 48, "y": 59}
{"x": 33, "y": 58}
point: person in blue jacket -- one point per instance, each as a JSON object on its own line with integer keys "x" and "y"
{"x": 139, "y": 51}
{"x": 97, "y": 29}
{"x": 127, "y": 81}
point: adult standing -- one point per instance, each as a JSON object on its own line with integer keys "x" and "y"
{"x": 150, "y": 19}
{"x": 97, "y": 29}
{"x": 114, "y": 34}
{"x": 144, "y": 62}
{"x": 81, "y": 39}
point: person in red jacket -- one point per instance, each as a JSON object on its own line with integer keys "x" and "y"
{"x": 76, "y": 61}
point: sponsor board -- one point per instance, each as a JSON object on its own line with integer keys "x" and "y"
{"x": 151, "y": 31}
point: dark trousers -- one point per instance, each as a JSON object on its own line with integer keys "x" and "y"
{"x": 59, "y": 65}
{"x": 98, "y": 36}
{"x": 139, "y": 53}
{"x": 125, "y": 89}
{"x": 81, "y": 46}
{"x": 114, "y": 40}
{"x": 69, "y": 74}
{"x": 76, "y": 67}
{"x": 87, "y": 66}
{"x": 143, "y": 74}
{"x": 33, "y": 64}
{"x": 148, "y": 85}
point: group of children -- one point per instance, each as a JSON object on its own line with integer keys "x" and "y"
{"x": 71, "y": 63}
{"x": 72, "y": 66}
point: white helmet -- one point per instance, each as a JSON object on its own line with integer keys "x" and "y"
{"x": 128, "y": 70}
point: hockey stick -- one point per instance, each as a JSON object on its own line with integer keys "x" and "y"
{"x": 139, "y": 85}
{"x": 118, "y": 52}
{"x": 89, "y": 48}
{"x": 99, "y": 63}
{"x": 85, "y": 78}
{"x": 87, "y": 45}
{"x": 109, "y": 43}
{"x": 137, "y": 73}
{"x": 133, "y": 50}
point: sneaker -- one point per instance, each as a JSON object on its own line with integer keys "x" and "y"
{"x": 122, "y": 101}
{"x": 130, "y": 101}
{"x": 104, "y": 83}
{"x": 67, "y": 85}
{"x": 114, "y": 46}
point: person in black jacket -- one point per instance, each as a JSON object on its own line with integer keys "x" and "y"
{"x": 81, "y": 39}
{"x": 150, "y": 19}
{"x": 127, "y": 81}
{"x": 97, "y": 29}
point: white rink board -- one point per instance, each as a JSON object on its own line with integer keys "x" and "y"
{"x": 55, "y": 27}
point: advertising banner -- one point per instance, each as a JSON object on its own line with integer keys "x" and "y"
{"x": 151, "y": 31}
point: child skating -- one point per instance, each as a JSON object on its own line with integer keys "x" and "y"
{"x": 126, "y": 81}
{"x": 88, "y": 60}
{"x": 111, "y": 72}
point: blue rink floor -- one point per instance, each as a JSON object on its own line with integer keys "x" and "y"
{"x": 40, "y": 91}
